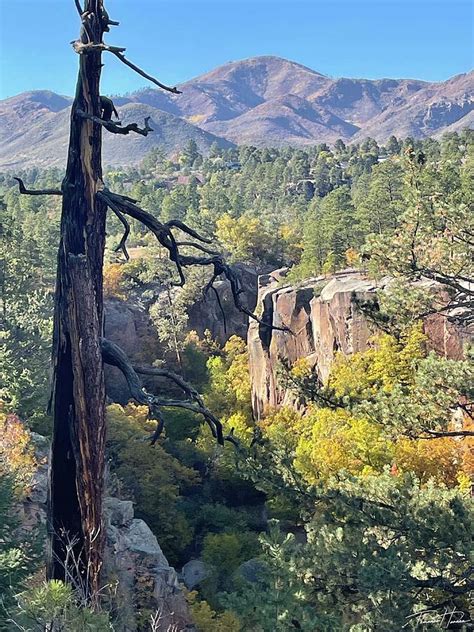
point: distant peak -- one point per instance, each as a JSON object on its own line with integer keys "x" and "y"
{"x": 272, "y": 60}
{"x": 45, "y": 98}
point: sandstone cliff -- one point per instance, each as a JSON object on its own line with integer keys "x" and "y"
{"x": 323, "y": 314}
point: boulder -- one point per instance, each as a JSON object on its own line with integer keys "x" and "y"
{"x": 193, "y": 573}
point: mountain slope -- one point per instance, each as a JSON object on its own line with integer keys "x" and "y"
{"x": 428, "y": 112}
{"x": 233, "y": 89}
{"x": 260, "y": 101}
{"x": 288, "y": 120}
{"x": 41, "y": 137}
{"x": 359, "y": 100}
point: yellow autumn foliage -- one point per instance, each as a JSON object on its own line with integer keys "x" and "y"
{"x": 386, "y": 363}
{"x": 208, "y": 620}
{"x": 245, "y": 237}
{"x": 114, "y": 280}
{"x": 17, "y": 457}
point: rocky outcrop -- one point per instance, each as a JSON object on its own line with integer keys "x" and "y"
{"x": 135, "y": 566}
{"x": 206, "y": 313}
{"x": 128, "y": 324}
{"x": 137, "y": 577}
{"x": 324, "y": 318}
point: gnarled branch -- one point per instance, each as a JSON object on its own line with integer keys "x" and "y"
{"x": 112, "y": 354}
{"x": 24, "y": 191}
{"x": 196, "y": 404}
{"x": 166, "y": 238}
{"x": 123, "y": 242}
{"x": 161, "y": 231}
{"x": 115, "y": 128}
{"x": 176, "y": 223}
{"x": 192, "y": 244}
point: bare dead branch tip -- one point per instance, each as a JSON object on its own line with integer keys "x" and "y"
{"x": 141, "y": 72}
{"x": 24, "y": 191}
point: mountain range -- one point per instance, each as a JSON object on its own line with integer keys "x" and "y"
{"x": 262, "y": 101}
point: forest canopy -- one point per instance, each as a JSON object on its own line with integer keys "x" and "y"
{"x": 352, "y": 511}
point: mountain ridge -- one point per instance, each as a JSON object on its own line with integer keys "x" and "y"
{"x": 263, "y": 101}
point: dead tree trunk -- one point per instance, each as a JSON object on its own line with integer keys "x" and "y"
{"x": 78, "y": 394}
{"x": 77, "y": 458}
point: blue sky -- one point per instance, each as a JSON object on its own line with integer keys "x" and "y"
{"x": 179, "y": 39}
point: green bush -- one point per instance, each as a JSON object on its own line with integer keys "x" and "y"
{"x": 53, "y": 606}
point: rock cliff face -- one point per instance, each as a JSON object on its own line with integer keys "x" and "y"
{"x": 136, "y": 572}
{"x": 206, "y": 313}
{"x": 128, "y": 324}
{"x": 324, "y": 317}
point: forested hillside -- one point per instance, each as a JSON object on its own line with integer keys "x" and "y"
{"x": 350, "y": 508}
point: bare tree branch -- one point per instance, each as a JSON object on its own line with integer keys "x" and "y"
{"x": 106, "y": 21}
{"x": 192, "y": 244}
{"x": 123, "y": 242}
{"x": 176, "y": 223}
{"x": 161, "y": 231}
{"x": 78, "y": 7}
{"x": 141, "y": 72}
{"x": 436, "y": 434}
{"x": 166, "y": 238}
{"x": 115, "y": 128}
{"x": 112, "y": 354}
{"x": 115, "y": 356}
{"x": 449, "y": 280}
{"x": 24, "y": 191}
{"x": 219, "y": 303}
{"x": 190, "y": 391}
{"x": 197, "y": 403}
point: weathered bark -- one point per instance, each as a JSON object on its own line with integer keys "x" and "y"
{"x": 78, "y": 400}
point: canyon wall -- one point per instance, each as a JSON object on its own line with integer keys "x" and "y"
{"x": 323, "y": 317}
{"x": 128, "y": 324}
